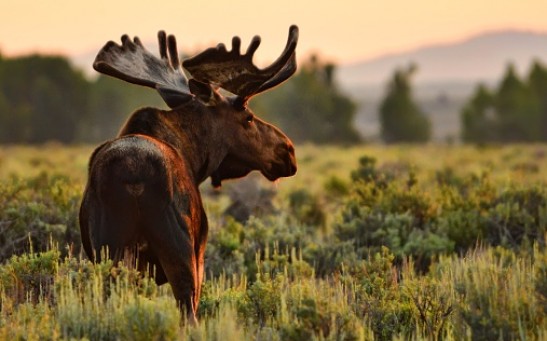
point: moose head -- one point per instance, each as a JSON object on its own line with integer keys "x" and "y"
{"x": 142, "y": 201}
{"x": 252, "y": 143}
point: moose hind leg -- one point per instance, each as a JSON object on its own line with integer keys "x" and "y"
{"x": 171, "y": 242}
{"x": 114, "y": 237}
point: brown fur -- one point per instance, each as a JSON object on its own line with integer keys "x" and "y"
{"x": 142, "y": 200}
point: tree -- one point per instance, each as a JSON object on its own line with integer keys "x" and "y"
{"x": 537, "y": 81}
{"x": 400, "y": 117}
{"x": 4, "y": 117}
{"x": 479, "y": 120}
{"x": 515, "y": 112}
{"x": 46, "y": 98}
{"x": 517, "y": 109}
{"x": 310, "y": 107}
{"x": 111, "y": 101}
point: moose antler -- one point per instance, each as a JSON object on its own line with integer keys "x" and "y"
{"x": 236, "y": 73}
{"x": 132, "y": 63}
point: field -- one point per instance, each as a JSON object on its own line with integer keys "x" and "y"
{"x": 364, "y": 243}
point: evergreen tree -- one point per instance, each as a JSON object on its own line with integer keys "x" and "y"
{"x": 537, "y": 81}
{"x": 46, "y": 99}
{"x": 400, "y": 117}
{"x": 517, "y": 109}
{"x": 4, "y": 118}
{"x": 479, "y": 119}
{"x": 111, "y": 102}
{"x": 309, "y": 107}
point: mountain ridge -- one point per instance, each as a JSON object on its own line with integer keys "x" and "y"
{"x": 479, "y": 58}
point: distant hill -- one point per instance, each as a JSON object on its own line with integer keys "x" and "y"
{"x": 479, "y": 58}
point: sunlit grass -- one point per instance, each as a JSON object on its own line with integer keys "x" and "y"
{"x": 490, "y": 292}
{"x": 316, "y": 164}
{"x": 482, "y": 293}
{"x": 28, "y": 161}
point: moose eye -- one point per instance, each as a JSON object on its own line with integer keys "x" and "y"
{"x": 250, "y": 118}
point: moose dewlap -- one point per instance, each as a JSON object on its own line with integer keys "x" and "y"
{"x": 142, "y": 203}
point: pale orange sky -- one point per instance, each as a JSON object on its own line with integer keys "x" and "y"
{"x": 342, "y": 30}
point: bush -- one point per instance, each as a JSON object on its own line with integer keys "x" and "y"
{"x": 379, "y": 297}
{"x": 411, "y": 252}
{"x": 37, "y": 210}
{"x": 307, "y": 209}
{"x": 496, "y": 297}
{"x": 29, "y": 277}
{"x": 424, "y": 222}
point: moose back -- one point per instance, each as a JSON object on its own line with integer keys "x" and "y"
{"x": 142, "y": 204}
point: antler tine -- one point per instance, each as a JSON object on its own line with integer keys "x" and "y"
{"x": 237, "y": 73}
{"x": 236, "y": 45}
{"x": 132, "y": 63}
{"x": 162, "y": 42}
{"x": 173, "y": 52}
{"x": 253, "y": 46}
{"x": 137, "y": 41}
{"x": 285, "y": 65}
{"x": 127, "y": 43}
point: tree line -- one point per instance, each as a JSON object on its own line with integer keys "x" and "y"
{"x": 514, "y": 111}
{"x": 44, "y": 98}
{"x": 310, "y": 107}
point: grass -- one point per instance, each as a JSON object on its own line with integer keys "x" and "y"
{"x": 489, "y": 294}
{"x": 302, "y": 271}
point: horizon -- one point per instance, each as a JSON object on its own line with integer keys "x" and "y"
{"x": 333, "y": 32}
{"x": 152, "y": 46}
{"x": 78, "y": 59}
{"x": 448, "y": 43}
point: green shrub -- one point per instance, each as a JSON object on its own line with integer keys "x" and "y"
{"x": 38, "y": 209}
{"x": 29, "y": 277}
{"x": 411, "y": 253}
{"x": 432, "y": 303}
{"x": 540, "y": 258}
{"x": 378, "y": 296}
{"x": 235, "y": 247}
{"x": 145, "y": 319}
{"x": 496, "y": 295}
{"x": 263, "y": 299}
{"x": 224, "y": 251}
{"x": 336, "y": 187}
{"x": 403, "y": 220}
{"x": 307, "y": 208}
{"x": 518, "y": 216}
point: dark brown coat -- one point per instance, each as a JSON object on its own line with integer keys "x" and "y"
{"x": 142, "y": 204}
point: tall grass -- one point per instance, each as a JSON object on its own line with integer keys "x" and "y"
{"x": 491, "y": 293}
{"x": 432, "y": 243}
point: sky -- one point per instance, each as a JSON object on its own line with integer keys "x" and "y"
{"x": 342, "y": 31}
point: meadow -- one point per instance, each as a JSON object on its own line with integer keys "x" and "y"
{"x": 364, "y": 243}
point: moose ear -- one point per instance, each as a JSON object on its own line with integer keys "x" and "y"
{"x": 203, "y": 91}
{"x": 173, "y": 98}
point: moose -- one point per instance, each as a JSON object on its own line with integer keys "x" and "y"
{"x": 142, "y": 202}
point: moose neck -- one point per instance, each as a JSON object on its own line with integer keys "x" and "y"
{"x": 189, "y": 129}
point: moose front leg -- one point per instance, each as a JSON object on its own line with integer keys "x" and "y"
{"x": 200, "y": 243}
{"x": 181, "y": 275}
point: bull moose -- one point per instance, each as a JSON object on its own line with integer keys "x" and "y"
{"x": 142, "y": 203}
